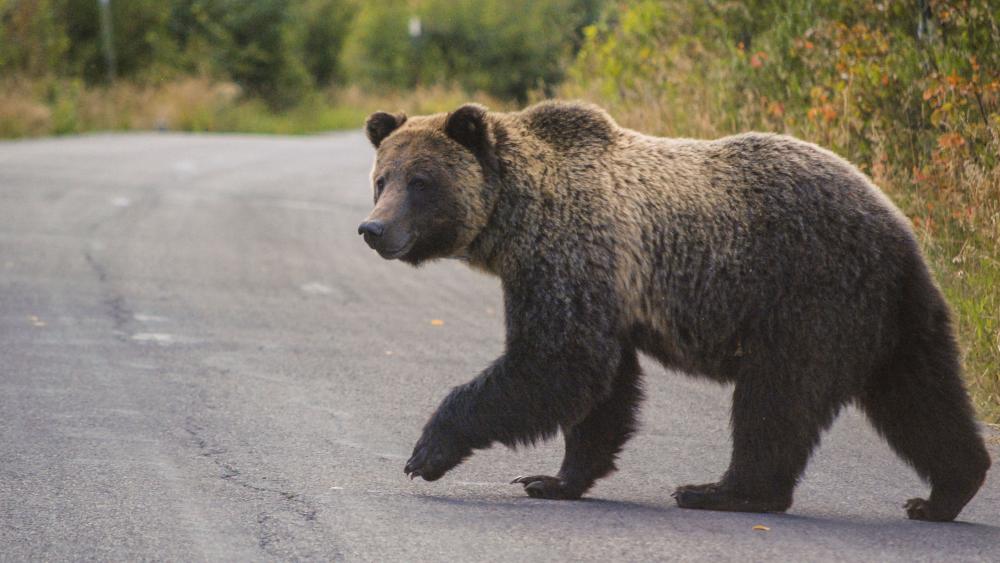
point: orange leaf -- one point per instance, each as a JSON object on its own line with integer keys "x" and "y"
{"x": 951, "y": 140}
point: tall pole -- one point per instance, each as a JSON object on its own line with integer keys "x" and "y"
{"x": 416, "y": 29}
{"x": 107, "y": 41}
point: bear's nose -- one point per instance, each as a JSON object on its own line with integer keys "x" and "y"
{"x": 373, "y": 228}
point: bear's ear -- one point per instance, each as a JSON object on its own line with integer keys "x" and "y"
{"x": 380, "y": 124}
{"x": 468, "y": 127}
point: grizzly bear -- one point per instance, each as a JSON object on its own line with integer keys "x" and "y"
{"x": 757, "y": 260}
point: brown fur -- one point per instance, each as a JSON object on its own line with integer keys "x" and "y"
{"x": 757, "y": 259}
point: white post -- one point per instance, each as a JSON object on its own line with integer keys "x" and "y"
{"x": 107, "y": 40}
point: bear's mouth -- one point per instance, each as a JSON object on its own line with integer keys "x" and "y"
{"x": 403, "y": 249}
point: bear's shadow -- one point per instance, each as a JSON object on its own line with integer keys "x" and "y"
{"x": 860, "y": 531}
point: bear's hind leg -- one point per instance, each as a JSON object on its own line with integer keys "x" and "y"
{"x": 593, "y": 444}
{"x": 921, "y": 408}
{"x": 774, "y": 433}
{"x": 919, "y": 405}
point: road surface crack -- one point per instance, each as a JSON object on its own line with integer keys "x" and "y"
{"x": 114, "y": 304}
{"x": 274, "y": 532}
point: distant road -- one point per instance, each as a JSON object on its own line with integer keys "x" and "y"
{"x": 202, "y": 361}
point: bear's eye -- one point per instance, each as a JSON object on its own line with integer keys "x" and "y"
{"x": 379, "y": 186}
{"x": 418, "y": 183}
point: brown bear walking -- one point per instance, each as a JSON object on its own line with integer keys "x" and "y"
{"x": 756, "y": 259}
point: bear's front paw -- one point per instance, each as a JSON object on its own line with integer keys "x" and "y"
{"x": 433, "y": 457}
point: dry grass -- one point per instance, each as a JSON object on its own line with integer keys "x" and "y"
{"x": 22, "y": 115}
{"x": 423, "y": 100}
{"x": 54, "y": 107}
{"x": 57, "y": 107}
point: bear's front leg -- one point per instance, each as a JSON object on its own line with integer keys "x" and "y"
{"x": 593, "y": 445}
{"x": 459, "y": 425}
{"x": 511, "y": 402}
{"x": 515, "y": 401}
{"x": 556, "y": 369}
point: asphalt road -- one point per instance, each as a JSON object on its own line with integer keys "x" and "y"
{"x": 201, "y": 360}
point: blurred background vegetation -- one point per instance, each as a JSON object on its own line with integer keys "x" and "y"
{"x": 909, "y": 89}
{"x": 288, "y": 66}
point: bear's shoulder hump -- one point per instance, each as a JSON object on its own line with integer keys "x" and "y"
{"x": 570, "y": 123}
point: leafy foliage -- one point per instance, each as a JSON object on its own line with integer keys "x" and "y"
{"x": 276, "y": 50}
{"x": 32, "y": 38}
{"x": 282, "y": 50}
{"x": 506, "y": 48}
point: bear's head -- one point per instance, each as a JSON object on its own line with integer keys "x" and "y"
{"x": 431, "y": 183}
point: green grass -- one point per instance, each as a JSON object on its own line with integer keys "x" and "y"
{"x": 971, "y": 290}
{"x": 253, "y": 117}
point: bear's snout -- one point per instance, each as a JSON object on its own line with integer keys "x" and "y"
{"x": 371, "y": 229}
{"x": 389, "y": 242}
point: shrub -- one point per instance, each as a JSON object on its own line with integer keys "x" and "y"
{"x": 505, "y": 48}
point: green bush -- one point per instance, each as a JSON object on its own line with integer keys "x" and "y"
{"x": 505, "y": 48}
{"x": 378, "y": 50}
{"x": 252, "y": 42}
{"x": 321, "y": 27}
{"x": 275, "y": 50}
{"x": 281, "y": 51}
{"x": 33, "y": 39}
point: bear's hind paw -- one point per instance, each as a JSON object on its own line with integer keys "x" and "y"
{"x": 920, "y": 509}
{"x": 543, "y": 486}
{"x": 716, "y": 496}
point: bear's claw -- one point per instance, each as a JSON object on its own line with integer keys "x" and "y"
{"x": 428, "y": 464}
{"x": 916, "y": 509}
{"x": 434, "y": 455}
